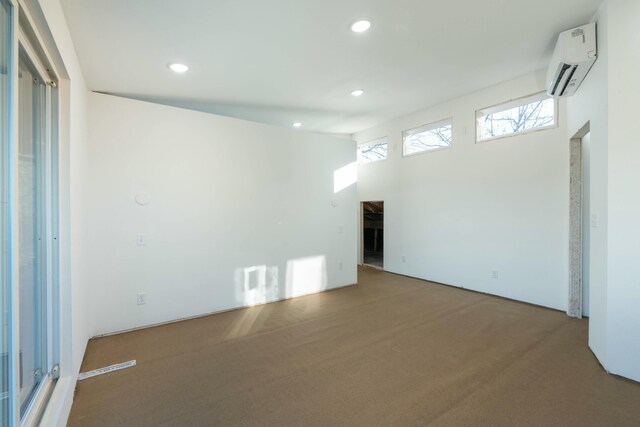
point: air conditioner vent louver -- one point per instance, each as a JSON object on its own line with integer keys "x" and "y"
{"x": 563, "y": 70}
{"x": 572, "y": 59}
{"x": 569, "y": 79}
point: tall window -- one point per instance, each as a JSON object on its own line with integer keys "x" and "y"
{"x": 29, "y": 255}
{"x": 523, "y": 115}
{"x": 32, "y": 229}
{"x": 431, "y": 137}
{"x": 373, "y": 151}
{"x": 5, "y": 282}
{"x": 36, "y": 230}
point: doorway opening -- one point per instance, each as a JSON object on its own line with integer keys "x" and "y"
{"x": 373, "y": 234}
{"x": 581, "y": 220}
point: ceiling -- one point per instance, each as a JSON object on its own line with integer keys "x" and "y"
{"x": 285, "y": 61}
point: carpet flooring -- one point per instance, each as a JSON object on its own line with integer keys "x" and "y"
{"x": 391, "y": 351}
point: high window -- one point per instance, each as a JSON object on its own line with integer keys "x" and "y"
{"x": 373, "y": 151}
{"x": 520, "y": 116}
{"x": 431, "y": 137}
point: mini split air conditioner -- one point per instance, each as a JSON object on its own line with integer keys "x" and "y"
{"x": 572, "y": 59}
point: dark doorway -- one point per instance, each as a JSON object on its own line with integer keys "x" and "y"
{"x": 373, "y": 233}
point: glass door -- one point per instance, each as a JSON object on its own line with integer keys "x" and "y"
{"x": 32, "y": 255}
{"x": 35, "y": 197}
{"x": 29, "y": 332}
{"x": 5, "y": 280}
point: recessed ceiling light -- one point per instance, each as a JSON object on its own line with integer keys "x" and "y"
{"x": 178, "y": 68}
{"x": 297, "y": 124}
{"x": 357, "y": 92}
{"x": 361, "y": 25}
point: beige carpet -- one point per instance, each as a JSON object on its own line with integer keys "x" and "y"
{"x": 389, "y": 351}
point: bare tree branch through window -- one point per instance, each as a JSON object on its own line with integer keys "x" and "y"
{"x": 535, "y": 112}
{"x": 427, "y": 138}
{"x": 373, "y": 151}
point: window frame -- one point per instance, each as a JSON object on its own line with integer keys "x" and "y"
{"x": 7, "y": 263}
{"x": 370, "y": 143}
{"x": 28, "y": 43}
{"x": 514, "y": 103}
{"x": 426, "y": 128}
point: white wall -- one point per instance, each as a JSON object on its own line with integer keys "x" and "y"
{"x": 624, "y": 189}
{"x": 458, "y": 214}
{"x": 607, "y": 100}
{"x": 590, "y": 106}
{"x": 240, "y": 213}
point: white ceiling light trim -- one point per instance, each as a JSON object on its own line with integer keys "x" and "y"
{"x": 178, "y": 68}
{"x": 361, "y": 25}
{"x": 297, "y": 124}
{"x": 357, "y": 92}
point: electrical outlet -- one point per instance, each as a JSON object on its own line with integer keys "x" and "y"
{"x": 494, "y": 274}
{"x": 404, "y": 258}
{"x": 142, "y": 239}
{"x": 141, "y": 298}
{"x": 340, "y": 265}
{"x": 340, "y": 229}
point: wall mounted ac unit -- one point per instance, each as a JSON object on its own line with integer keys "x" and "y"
{"x": 572, "y": 59}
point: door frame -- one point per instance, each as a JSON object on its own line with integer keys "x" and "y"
{"x": 575, "y": 301}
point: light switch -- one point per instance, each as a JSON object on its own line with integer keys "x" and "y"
{"x": 142, "y": 239}
{"x": 595, "y": 220}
